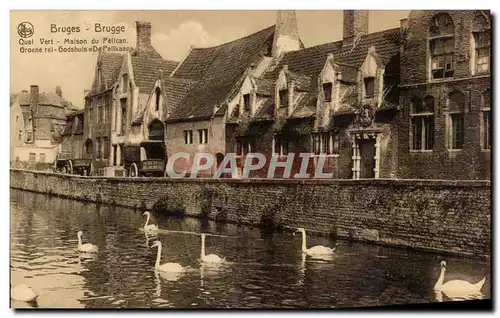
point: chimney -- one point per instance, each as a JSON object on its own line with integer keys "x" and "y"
{"x": 34, "y": 97}
{"x": 403, "y": 24}
{"x": 355, "y": 24}
{"x": 143, "y": 42}
{"x": 286, "y": 33}
{"x": 59, "y": 91}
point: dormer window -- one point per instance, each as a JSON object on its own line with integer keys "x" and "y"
{"x": 283, "y": 96}
{"x": 327, "y": 91}
{"x": 246, "y": 102}
{"x": 99, "y": 74}
{"x": 157, "y": 98}
{"x": 369, "y": 86}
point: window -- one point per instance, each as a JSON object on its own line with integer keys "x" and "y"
{"x": 442, "y": 46}
{"x": 42, "y": 157}
{"x": 243, "y": 146}
{"x": 283, "y": 96}
{"x": 32, "y": 157}
{"x": 246, "y": 102}
{"x": 456, "y": 120}
{"x": 487, "y": 129}
{"x": 157, "y": 100}
{"x": 203, "y": 136}
{"x": 20, "y": 135}
{"x": 457, "y": 130}
{"x": 327, "y": 91}
{"x": 124, "y": 83}
{"x": 280, "y": 145}
{"x": 482, "y": 42}
{"x": 422, "y": 123}
{"x": 90, "y": 115}
{"x": 17, "y": 119}
{"x": 105, "y": 146}
{"x": 188, "y": 137}
{"x": 99, "y": 148}
{"x": 325, "y": 143}
{"x": 29, "y": 136}
{"x": 99, "y": 74}
{"x": 486, "y": 120}
{"x": 105, "y": 114}
{"x": 369, "y": 86}
{"x": 123, "y": 103}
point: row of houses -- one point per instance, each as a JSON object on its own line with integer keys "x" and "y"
{"x": 408, "y": 102}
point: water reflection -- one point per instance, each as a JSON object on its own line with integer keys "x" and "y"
{"x": 264, "y": 270}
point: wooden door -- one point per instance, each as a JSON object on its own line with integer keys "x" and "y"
{"x": 367, "y": 154}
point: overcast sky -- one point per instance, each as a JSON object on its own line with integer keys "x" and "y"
{"x": 173, "y": 33}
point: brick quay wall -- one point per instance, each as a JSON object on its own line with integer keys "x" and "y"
{"x": 434, "y": 215}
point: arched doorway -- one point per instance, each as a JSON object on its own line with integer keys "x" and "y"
{"x": 155, "y": 146}
{"x": 89, "y": 149}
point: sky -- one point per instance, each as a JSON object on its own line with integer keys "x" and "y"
{"x": 173, "y": 33}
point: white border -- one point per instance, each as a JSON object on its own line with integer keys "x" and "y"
{"x": 218, "y": 4}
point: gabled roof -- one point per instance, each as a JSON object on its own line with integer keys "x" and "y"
{"x": 146, "y": 71}
{"x": 216, "y": 71}
{"x": 48, "y": 99}
{"x": 110, "y": 68}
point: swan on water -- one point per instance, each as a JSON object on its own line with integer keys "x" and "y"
{"x": 211, "y": 258}
{"x": 87, "y": 247}
{"x": 315, "y": 250}
{"x": 149, "y": 227}
{"x": 23, "y": 293}
{"x": 457, "y": 289}
{"x": 167, "y": 267}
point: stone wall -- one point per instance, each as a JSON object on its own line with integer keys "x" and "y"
{"x": 446, "y": 216}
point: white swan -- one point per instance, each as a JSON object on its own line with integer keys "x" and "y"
{"x": 87, "y": 247}
{"x": 315, "y": 250}
{"x": 23, "y": 293}
{"x": 167, "y": 267}
{"x": 149, "y": 227}
{"x": 457, "y": 289}
{"x": 211, "y": 258}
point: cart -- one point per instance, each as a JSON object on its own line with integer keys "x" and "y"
{"x": 65, "y": 163}
{"x": 146, "y": 159}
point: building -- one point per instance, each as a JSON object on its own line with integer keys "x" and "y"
{"x": 444, "y": 125}
{"x": 119, "y": 93}
{"x": 72, "y": 140}
{"x": 370, "y": 105}
{"x": 38, "y": 124}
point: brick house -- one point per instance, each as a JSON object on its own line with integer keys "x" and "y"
{"x": 39, "y": 121}
{"x": 121, "y": 87}
{"x": 72, "y": 136}
{"x": 97, "y": 111}
{"x": 137, "y": 77}
{"x": 445, "y": 121}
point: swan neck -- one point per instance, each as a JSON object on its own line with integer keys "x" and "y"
{"x": 79, "y": 240}
{"x": 158, "y": 256}
{"x": 440, "y": 280}
{"x": 147, "y": 220}
{"x": 202, "y": 253}
{"x": 304, "y": 243}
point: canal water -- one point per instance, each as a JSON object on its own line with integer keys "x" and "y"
{"x": 263, "y": 270}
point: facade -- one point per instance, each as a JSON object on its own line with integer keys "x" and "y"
{"x": 38, "y": 119}
{"x": 371, "y": 105}
{"x": 445, "y": 126}
{"x": 72, "y": 136}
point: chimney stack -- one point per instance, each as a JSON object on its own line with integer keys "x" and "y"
{"x": 59, "y": 91}
{"x": 286, "y": 33}
{"x": 34, "y": 97}
{"x": 355, "y": 24}
{"x": 143, "y": 41}
{"x": 403, "y": 23}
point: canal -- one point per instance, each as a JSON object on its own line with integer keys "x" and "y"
{"x": 263, "y": 270}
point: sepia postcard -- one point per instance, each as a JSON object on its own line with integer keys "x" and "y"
{"x": 284, "y": 159}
